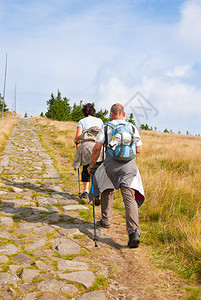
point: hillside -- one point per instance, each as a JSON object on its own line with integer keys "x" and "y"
{"x": 170, "y": 167}
{"x": 167, "y": 263}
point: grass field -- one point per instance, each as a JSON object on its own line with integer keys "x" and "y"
{"x": 5, "y": 128}
{"x": 171, "y": 171}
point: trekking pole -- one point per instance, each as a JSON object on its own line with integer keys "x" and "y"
{"x": 93, "y": 198}
{"x": 78, "y": 174}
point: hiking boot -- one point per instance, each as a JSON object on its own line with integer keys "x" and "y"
{"x": 104, "y": 225}
{"x": 85, "y": 195}
{"x": 97, "y": 201}
{"x": 134, "y": 240}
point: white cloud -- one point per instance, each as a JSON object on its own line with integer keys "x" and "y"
{"x": 178, "y": 99}
{"x": 178, "y": 104}
{"x": 180, "y": 71}
{"x": 189, "y": 27}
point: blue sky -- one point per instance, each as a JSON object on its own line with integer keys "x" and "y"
{"x": 106, "y": 52}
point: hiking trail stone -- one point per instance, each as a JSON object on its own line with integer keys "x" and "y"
{"x": 56, "y": 286}
{"x": 98, "y": 295}
{"x": 71, "y": 265}
{"x": 8, "y": 249}
{"x": 6, "y": 278}
{"x": 28, "y": 275}
{"x": 84, "y": 277}
{"x": 66, "y": 246}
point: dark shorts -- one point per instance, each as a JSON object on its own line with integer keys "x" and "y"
{"x": 85, "y": 174}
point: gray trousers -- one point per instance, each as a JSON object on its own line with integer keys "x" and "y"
{"x": 131, "y": 208}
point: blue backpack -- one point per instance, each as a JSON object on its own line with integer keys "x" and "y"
{"x": 123, "y": 142}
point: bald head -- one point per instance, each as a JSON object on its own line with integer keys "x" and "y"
{"x": 117, "y": 111}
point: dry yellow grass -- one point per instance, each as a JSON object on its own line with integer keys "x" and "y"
{"x": 170, "y": 167}
{"x": 5, "y": 129}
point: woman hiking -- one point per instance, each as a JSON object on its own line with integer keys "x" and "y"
{"x": 87, "y": 130}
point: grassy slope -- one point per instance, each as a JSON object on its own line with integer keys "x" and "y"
{"x": 171, "y": 172}
{"x": 5, "y": 129}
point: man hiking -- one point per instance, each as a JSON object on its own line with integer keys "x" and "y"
{"x": 119, "y": 170}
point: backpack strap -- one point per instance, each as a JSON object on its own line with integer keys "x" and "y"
{"x": 106, "y": 141}
{"x": 105, "y": 145}
{"x": 133, "y": 128}
{"x": 106, "y": 135}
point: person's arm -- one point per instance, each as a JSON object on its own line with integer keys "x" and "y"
{"x": 139, "y": 149}
{"x": 77, "y": 136}
{"x": 94, "y": 156}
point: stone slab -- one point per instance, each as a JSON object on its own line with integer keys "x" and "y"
{"x": 74, "y": 207}
{"x": 3, "y": 259}
{"x": 52, "y": 297}
{"x": 6, "y": 221}
{"x": 95, "y": 295}
{"x": 56, "y": 286}
{"x": 22, "y": 259}
{"x": 8, "y": 279}
{"x": 8, "y": 249}
{"x": 83, "y": 277}
{"x": 71, "y": 265}
{"x": 28, "y": 275}
{"x": 36, "y": 245}
{"x": 66, "y": 246}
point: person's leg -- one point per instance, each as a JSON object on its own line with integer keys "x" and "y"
{"x": 85, "y": 181}
{"x": 106, "y": 206}
{"x": 86, "y": 176}
{"x": 97, "y": 199}
{"x": 86, "y": 186}
{"x": 131, "y": 209}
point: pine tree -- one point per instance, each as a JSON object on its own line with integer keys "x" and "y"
{"x": 58, "y": 108}
{"x": 102, "y": 115}
{"x": 145, "y": 127}
{"x": 131, "y": 119}
{"x": 76, "y": 113}
{"x": 1, "y": 104}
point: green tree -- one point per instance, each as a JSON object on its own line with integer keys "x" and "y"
{"x": 102, "y": 115}
{"x": 1, "y": 104}
{"x": 145, "y": 127}
{"x": 58, "y": 108}
{"x": 76, "y": 112}
{"x": 131, "y": 119}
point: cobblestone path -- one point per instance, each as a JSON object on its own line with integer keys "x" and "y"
{"x": 40, "y": 227}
